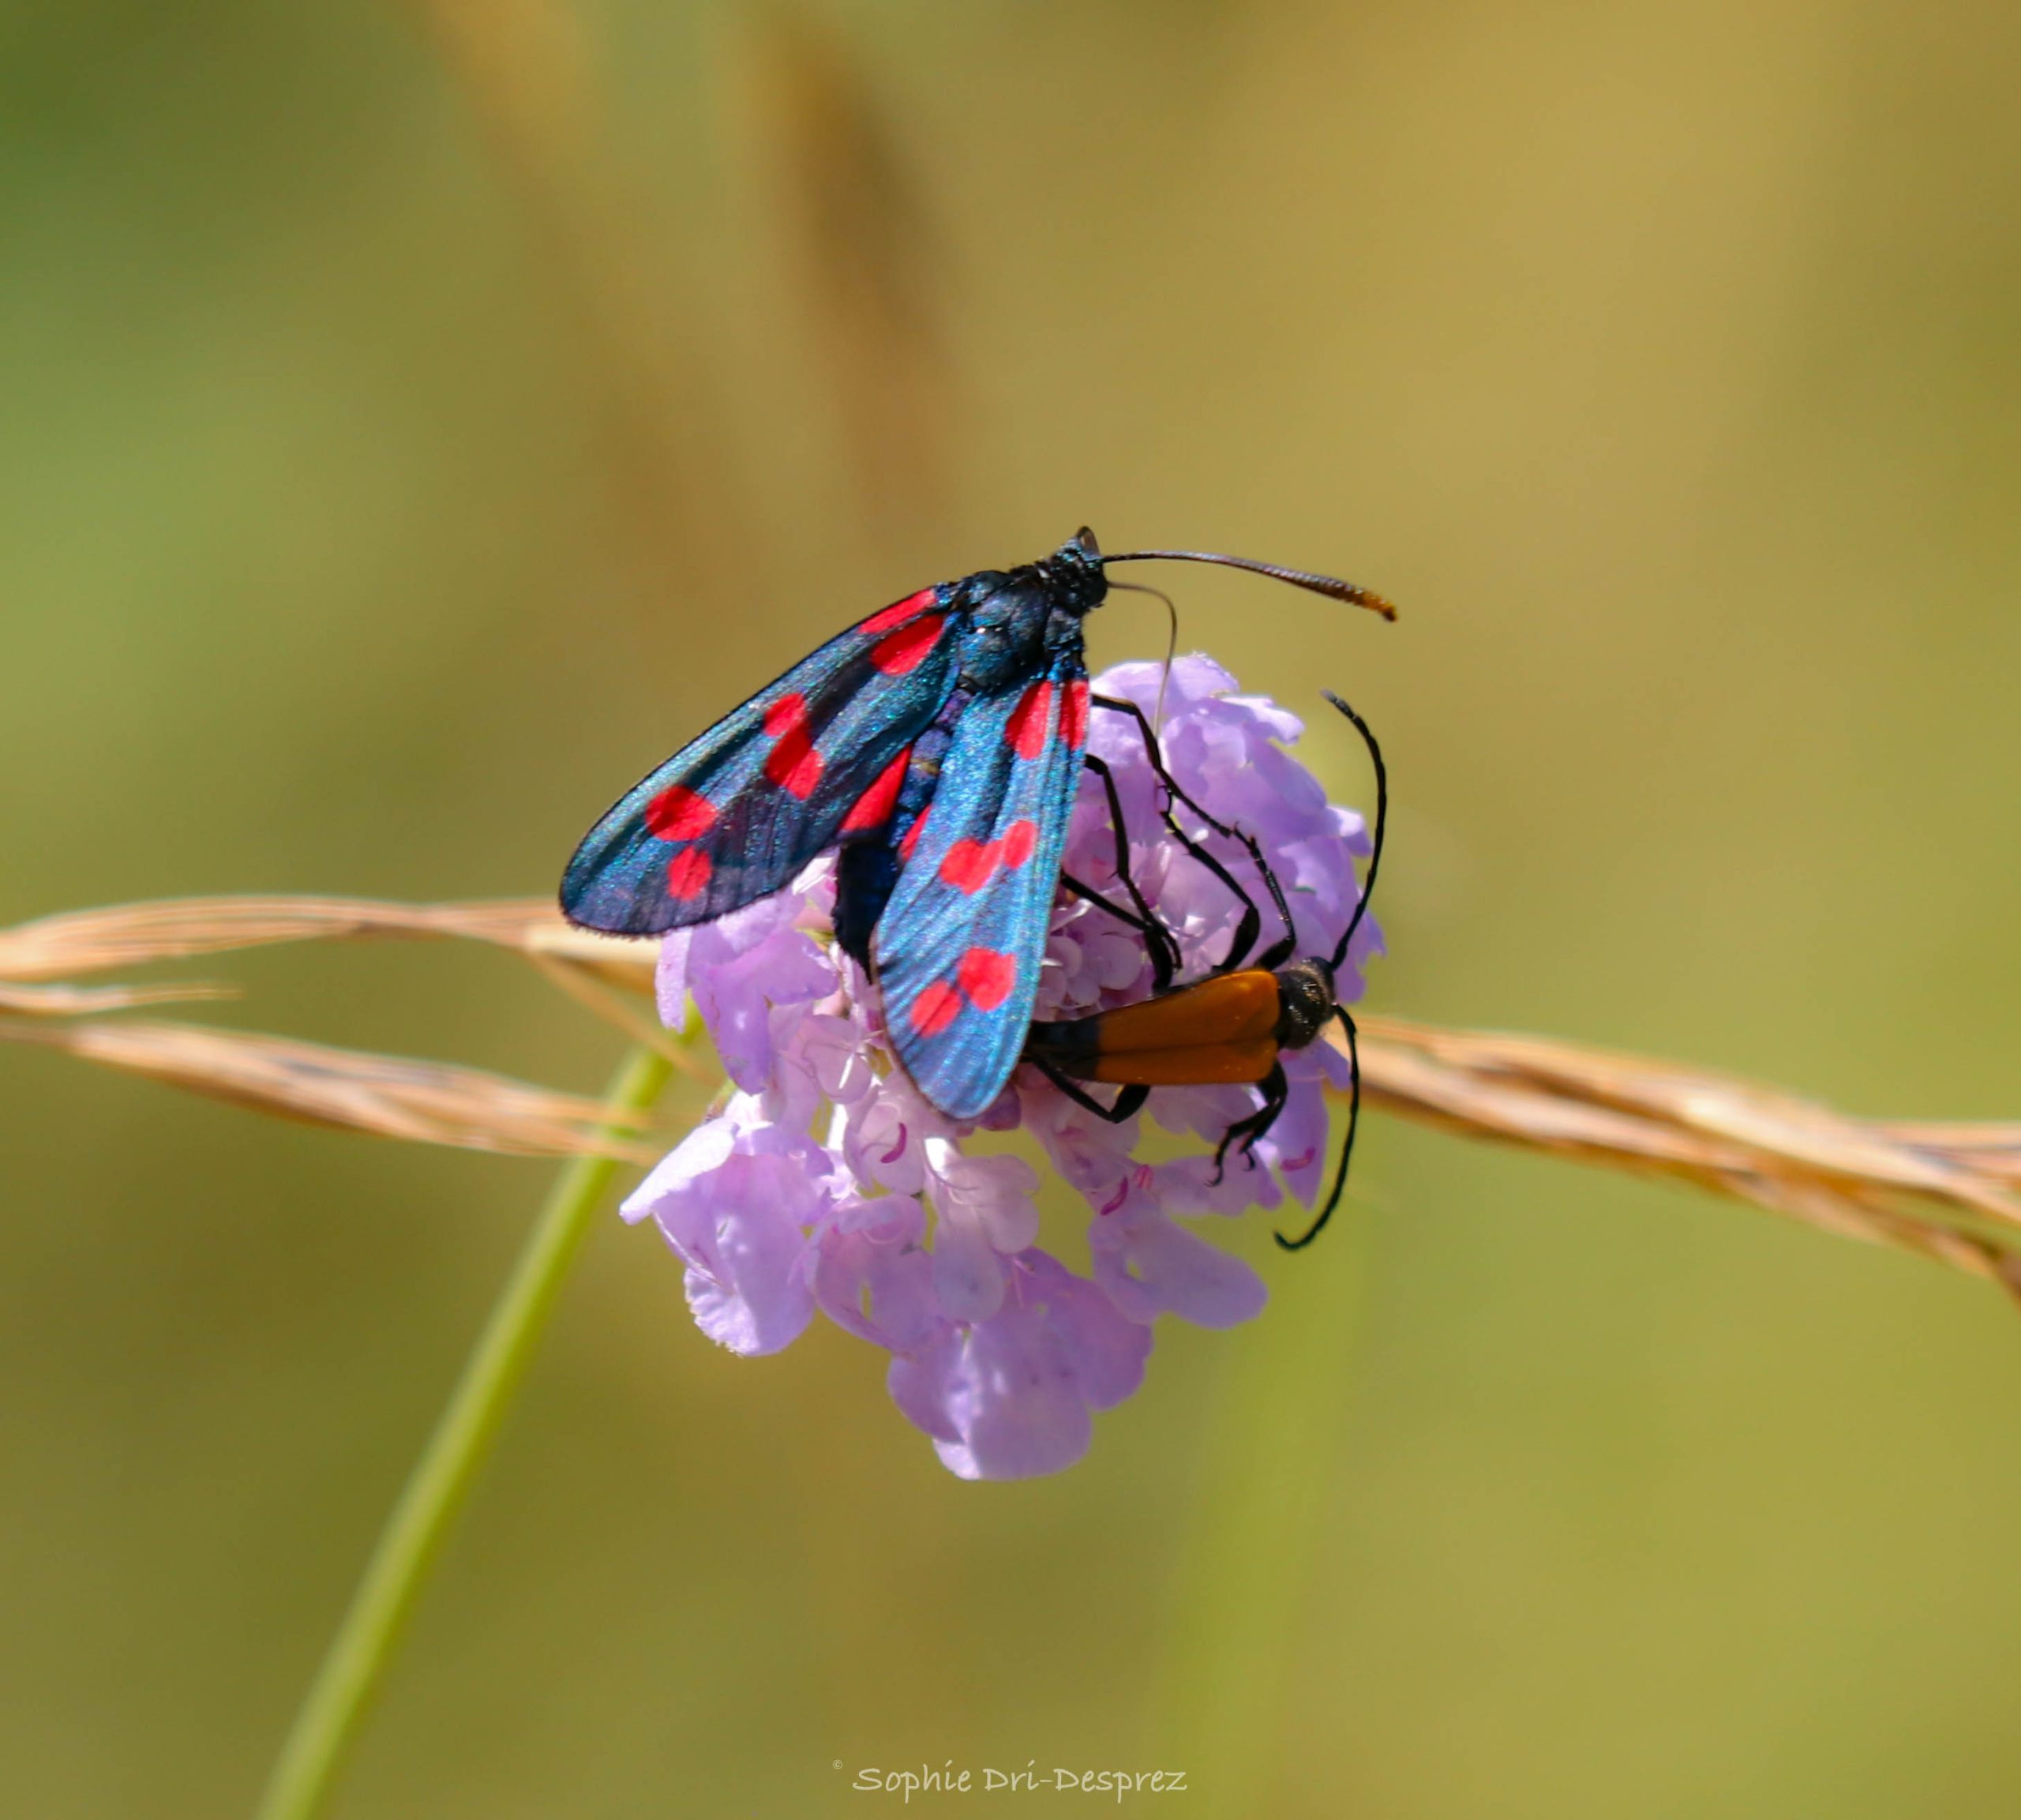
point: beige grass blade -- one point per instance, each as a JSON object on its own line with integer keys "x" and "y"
{"x": 388, "y": 1095}
{"x": 67, "y": 1001}
{"x": 175, "y": 928}
{"x": 1715, "y": 1106}
{"x": 582, "y": 983}
{"x": 1907, "y": 1185}
{"x": 1945, "y": 1191}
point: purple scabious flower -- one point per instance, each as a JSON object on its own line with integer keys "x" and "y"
{"x": 825, "y": 1182}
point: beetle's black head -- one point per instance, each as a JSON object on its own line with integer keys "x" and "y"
{"x": 1072, "y": 574}
{"x": 1305, "y": 1001}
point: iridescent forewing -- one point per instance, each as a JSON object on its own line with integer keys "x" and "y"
{"x": 959, "y": 947}
{"x": 734, "y": 815}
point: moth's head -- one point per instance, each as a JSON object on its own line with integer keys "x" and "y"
{"x": 1074, "y": 572}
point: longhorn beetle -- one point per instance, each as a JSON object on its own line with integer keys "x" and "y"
{"x": 1233, "y": 1024}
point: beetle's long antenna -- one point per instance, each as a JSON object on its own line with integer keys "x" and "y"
{"x": 1375, "y": 839}
{"x": 1327, "y": 585}
{"x": 1347, "y": 1147}
{"x": 1172, "y": 643}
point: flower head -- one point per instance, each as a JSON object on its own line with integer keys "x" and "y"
{"x": 826, "y": 1181}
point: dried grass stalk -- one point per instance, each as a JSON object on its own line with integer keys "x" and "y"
{"x": 66, "y": 1001}
{"x": 1946, "y": 1192}
{"x": 174, "y": 929}
{"x": 1938, "y": 1189}
{"x": 389, "y": 1096}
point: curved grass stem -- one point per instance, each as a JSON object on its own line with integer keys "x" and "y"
{"x": 370, "y": 1635}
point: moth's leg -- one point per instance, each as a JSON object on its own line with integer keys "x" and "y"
{"x": 1087, "y": 893}
{"x": 1252, "y": 920}
{"x": 1163, "y": 945}
{"x": 1117, "y": 704}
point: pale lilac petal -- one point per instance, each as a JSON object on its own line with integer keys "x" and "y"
{"x": 1297, "y": 1142}
{"x": 874, "y": 1275}
{"x": 1149, "y": 1265}
{"x": 703, "y": 1151}
{"x": 740, "y": 1230}
{"x": 1002, "y": 1113}
{"x": 1007, "y": 1391}
{"x": 884, "y": 1137}
{"x": 992, "y": 1194}
{"x": 920, "y": 1383}
{"x": 741, "y": 966}
{"x": 1321, "y": 1062}
{"x": 823, "y": 1055}
{"x": 1197, "y": 1184}
{"x": 1204, "y": 1111}
{"x": 1107, "y": 1349}
{"x": 670, "y": 979}
{"x": 968, "y": 1277}
{"x": 1091, "y": 1155}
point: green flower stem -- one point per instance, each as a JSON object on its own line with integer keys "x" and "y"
{"x": 369, "y": 1636}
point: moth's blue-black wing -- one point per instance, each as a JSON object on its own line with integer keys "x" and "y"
{"x": 734, "y": 815}
{"x": 959, "y": 947}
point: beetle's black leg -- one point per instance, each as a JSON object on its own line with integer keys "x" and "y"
{"x": 1128, "y": 1103}
{"x": 1347, "y": 1145}
{"x": 1249, "y": 1131}
{"x": 1286, "y": 945}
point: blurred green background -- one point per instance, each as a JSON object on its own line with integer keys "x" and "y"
{"x": 420, "y": 419}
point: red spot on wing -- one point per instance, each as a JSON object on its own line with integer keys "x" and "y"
{"x": 898, "y": 652}
{"x": 912, "y": 833}
{"x": 936, "y": 1008}
{"x": 1074, "y": 715}
{"x": 969, "y": 864}
{"x": 688, "y": 874}
{"x": 1025, "y": 732}
{"x": 873, "y": 809}
{"x": 899, "y": 611}
{"x": 788, "y": 711}
{"x": 793, "y": 763}
{"x": 987, "y": 978}
{"x": 679, "y": 813}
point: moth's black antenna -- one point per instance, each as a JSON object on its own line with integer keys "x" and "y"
{"x": 1382, "y": 816}
{"x": 1330, "y": 585}
{"x": 1171, "y": 645}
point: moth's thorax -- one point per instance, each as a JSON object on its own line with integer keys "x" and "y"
{"x": 1073, "y": 575}
{"x": 1013, "y": 626}
{"x": 1305, "y": 1001}
{"x": 1016, "y": 619}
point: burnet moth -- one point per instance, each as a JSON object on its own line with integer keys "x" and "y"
{"x": 939, "y": 744}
